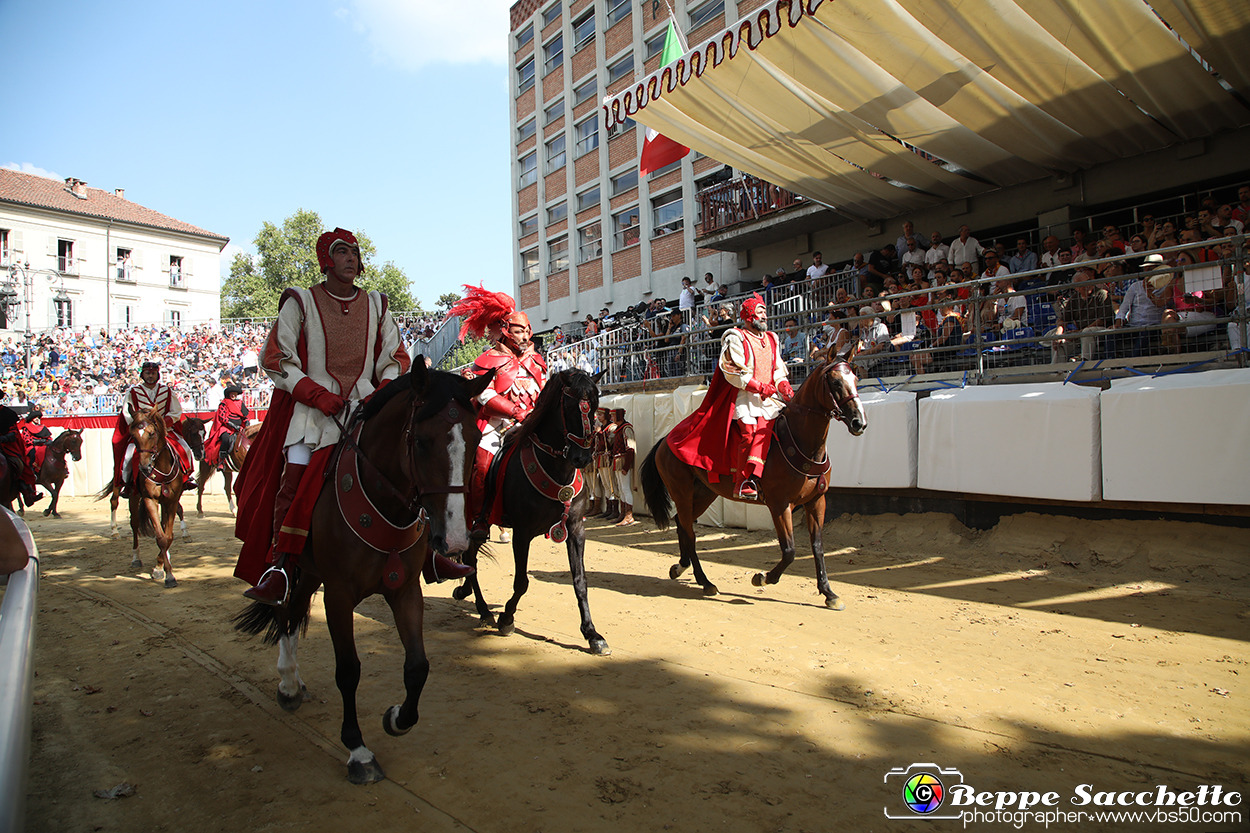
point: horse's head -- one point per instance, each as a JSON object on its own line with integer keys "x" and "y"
{"x": 579, "y": 399}
{"x": 835, "y": 388}
{"x": 193, "y": 433}
{"x": 147, "y": 431}
{"x": 442, "y": 438}
{"x": 72, "y": 442}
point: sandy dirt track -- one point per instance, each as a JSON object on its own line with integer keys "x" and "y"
{"x": 1037, "y": 656}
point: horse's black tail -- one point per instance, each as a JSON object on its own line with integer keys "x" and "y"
{"x": 107, "y": 491}
{"x": 656, "y": 493}
{"x": 274, "y": 620}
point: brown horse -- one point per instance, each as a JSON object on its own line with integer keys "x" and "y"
{"x": 793, "y": 475}
{"x": 227, "y": 465}
{"x": 155, "y": 493}
{"x": 411, "y": 463}
{"x": 55, "y": 470}
{"x": 113, "y": 491}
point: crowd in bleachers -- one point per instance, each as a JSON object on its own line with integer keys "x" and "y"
{"x": 924, "y": 302}
{"x": 86, "y": 371}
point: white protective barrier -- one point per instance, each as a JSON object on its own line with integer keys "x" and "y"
{"x": 1031, "y": 440}
{"x": 1183, "y": 438}
{"x": 884, "y": 456}
{"x": 88, "y": 475}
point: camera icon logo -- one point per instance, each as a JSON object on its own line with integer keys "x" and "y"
{"x": 923, "y": 789}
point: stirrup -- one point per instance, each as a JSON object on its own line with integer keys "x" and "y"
{"x": 252, "y": 593}
{"x": 480, "y": 531}
{"x": 748, "y": 489}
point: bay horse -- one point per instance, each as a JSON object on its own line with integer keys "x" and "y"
{"x": 228, "y": 466}
{"x": 54, "y": 470}
{"x": 411, "y": 463}
{"x": 155, "y": 493}
{"x": 543, "y": 493}
{"x": 794, "y": 475}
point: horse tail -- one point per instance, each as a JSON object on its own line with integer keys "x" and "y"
{"x": 107, "y": 491}
{"x": 274, "y": 621}
{"x": 656, "y": 493}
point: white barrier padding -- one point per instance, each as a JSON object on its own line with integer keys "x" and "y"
{"x": 1030, "y": 440}
{"x": 1182, "y": 438}
{"x": 884, "y": 456}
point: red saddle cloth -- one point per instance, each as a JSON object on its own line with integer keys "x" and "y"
{"x": 41, "y": 451}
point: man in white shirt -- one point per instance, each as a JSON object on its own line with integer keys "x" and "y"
{"x": 912, "y": 255}
{"x": 689, "y": 296}
{"x": 909, "y": 233}
{"x": 965, "y": 249}
{"x": 818, "y": 269}
{"x": 937, "y": 250}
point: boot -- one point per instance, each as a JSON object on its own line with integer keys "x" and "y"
{"x": 749, "y": 489}
{"x": 29, "y": 496}
{"x": 275, "y": 584}
{"x": 627, "y": 515}
{"x": 440, "y": 568}
{"x": 614, "y": 511}
{"x": 480, "y": 531}
{"x": 592, "y": 511}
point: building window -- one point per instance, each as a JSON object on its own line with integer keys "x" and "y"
{"x": 526, "y": 130}
{"x": 622, "y": 68}
{"x": 557, "y": 212}
{"x": 655, "y": 44}
{"x": 4, "y": 247}
{"x": 175, "y": 271}
{"x": 555, "y": 154}
{"x": 63, "y": 309}
{"x": 588, "y": 198}
{"x": 584, "y": 29}
{"x": 124, "y": 265}
{"x": 525, "y": 75}
{"x": 127, "y": 315}
{"x": 551, "y": 15}
{"x": 65, "y": 257}
{"x": 589, "y": 242}
{"x": 666, "y": 213}
{"x": 624, "y": 182}
{"x": 553, "y": 112}
{"x": 525, "y": 36}
{"x": 529, "y": 225}
{"x": 620, "y": 127}
{"x": 671, "y": 166}
{"x": 558, "y": 254}
{"x": 618, "y": 10}
{"x": 529, "y": 266}
{"x": 173, "y": 317}
{"x": 625, "y": 231}
{"x": 588, "y": 135}
{"x": 553, "y": 54}
{"x": 586, "y": 91}
{"x": 705, "y": 13}
{"x": 529, "y": 169}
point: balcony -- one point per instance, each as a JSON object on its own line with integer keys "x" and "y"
{"x": 742, "y": 200}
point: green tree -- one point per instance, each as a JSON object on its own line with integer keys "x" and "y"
{"x": 287, "y": 256}
{"x": 446, "y": 302}
{"x": 463, "y": 354}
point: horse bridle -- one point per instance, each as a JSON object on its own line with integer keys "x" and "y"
{"x": 162, "y": 478}
{"x": 838, "y": 412}
{"x": 587, "y": 437}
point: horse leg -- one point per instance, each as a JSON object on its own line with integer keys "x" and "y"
{"x": 200, "y": 477}
{"x": 409, "y": 609}
{"x": 576, "y": 545}
{"x": 362, "y": 767}
{"x": 783, "y": 522}
{"x": 520, "y": 584}
{"x": 136, "y": 563}
{"x": 56, "y": 495}
{"x": 291, "y": 689}
{"x": 687, "y": 513}
{"x": 113, "y": 531}
{"x": 815, "y": 511}
{"x": 229, "y": 478}
{"x": 471, "y": 585}
{"x": 163, "y": 527}
{"x": 182, "y": 522}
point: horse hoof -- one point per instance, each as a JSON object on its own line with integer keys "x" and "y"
{"x": 390, "y": 722}
{"x": 834, "y": 603}
{"x": 199, "y": 513}
{"x": 290, "y": 704}
{"x": 48, "y": 512}
{"x": 461, "y": 593}
{"x": 157, "y": 574}
{"x": 136, "y": 564}
{"x": 675, "y": 571}
{"x": 599, "y": 647}
{"x": 507, "y": 628}
{"x": 170, "y": 581}
{"x": 56, "y": 515}
{"x": 366, "y": 773}
{"x": 487, "y": 620}
{"x": 710, "y": 590}
{"x": 115, "y": 534}
{"x": 759, "y": 579}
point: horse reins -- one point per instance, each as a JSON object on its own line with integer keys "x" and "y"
{"x": 583, "y": 442}
{"x": 837, "y": 413}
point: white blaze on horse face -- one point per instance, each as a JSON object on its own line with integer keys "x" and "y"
{"x": 455, "y": 528}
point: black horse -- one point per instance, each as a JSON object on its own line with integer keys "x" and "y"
{"x": 538, "y": 470}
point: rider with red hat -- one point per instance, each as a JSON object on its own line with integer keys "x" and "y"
{"x": 520, "y": 372}
{"x": 331, "y": 345}
{"x": 729, "y": 434}
{"x": 150, "y": 393}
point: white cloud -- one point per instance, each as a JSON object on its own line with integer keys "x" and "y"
{"x": 28, "y": 168}
{"x": 411, "y": 34}
{"x": 227, "y": 257}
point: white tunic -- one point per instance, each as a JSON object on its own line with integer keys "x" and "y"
{"x": 739, "y": 368}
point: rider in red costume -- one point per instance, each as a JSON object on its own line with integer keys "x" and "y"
{"x": 148, "y": 394}
{"x": 230, "y": 419}
{"x": 520, "y": 372}
{"x": 729, "y": 434}
{"x": 14, "y": 446}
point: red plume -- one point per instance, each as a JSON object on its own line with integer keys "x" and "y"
{"x": 481, "y": 308}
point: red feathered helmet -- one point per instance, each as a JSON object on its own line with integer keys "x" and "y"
{"x": 327, "y": 241}
{"x": 485, "y": 311}
{"x": 753, "y": 309}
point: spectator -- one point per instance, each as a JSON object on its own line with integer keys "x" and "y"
{"x": 721, "y": 293}
{"x": 1226, "y": 222}
{"x": 1137, "y": 310}
{"x": 689, "y": 298}
{"x": 1241, "y": 211}
{"x": 818, "y": 269}
{"x": 965, "y": 249}
{"x": 1086, "y": 312}
{"x": 1111, "y": 234}
{"x": 913, "y": 255}
{"x": 1024, "y": 259}
{"x": 937, "y": 251}
{"x": 909, "y": 233}
{"x": 591, "y": 327}
{"x": 873, "y": 334}
{"x": 798, "y": 273}
{"x": 794, "y": 349}
{"x": 1078, "y": 243}
{"x": 882, "y": 264}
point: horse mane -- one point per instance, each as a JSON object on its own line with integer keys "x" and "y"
{"x": 440, "y": 388}
{"x": 379, "y": 399}
{"x": 577, "y": 382}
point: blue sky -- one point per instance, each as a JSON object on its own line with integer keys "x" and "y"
{"x": 388, "y": 116}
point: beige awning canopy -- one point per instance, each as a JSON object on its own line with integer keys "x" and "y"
{"x": 878, "y": 107}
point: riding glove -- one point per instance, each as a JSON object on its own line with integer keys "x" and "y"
{"x": 315, "y": 396}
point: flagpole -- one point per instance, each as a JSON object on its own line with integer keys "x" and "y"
{"x": 681, "y": 36}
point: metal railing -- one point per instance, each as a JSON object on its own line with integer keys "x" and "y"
{"x": 741, "y": 200}
{"x": 17, "y": 667}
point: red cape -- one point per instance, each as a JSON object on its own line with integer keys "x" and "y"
{"x": 702, "y": 440}
{"x": 257, "y": 488}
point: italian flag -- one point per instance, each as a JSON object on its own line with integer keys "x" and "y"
{"x": 657, "y": 150}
